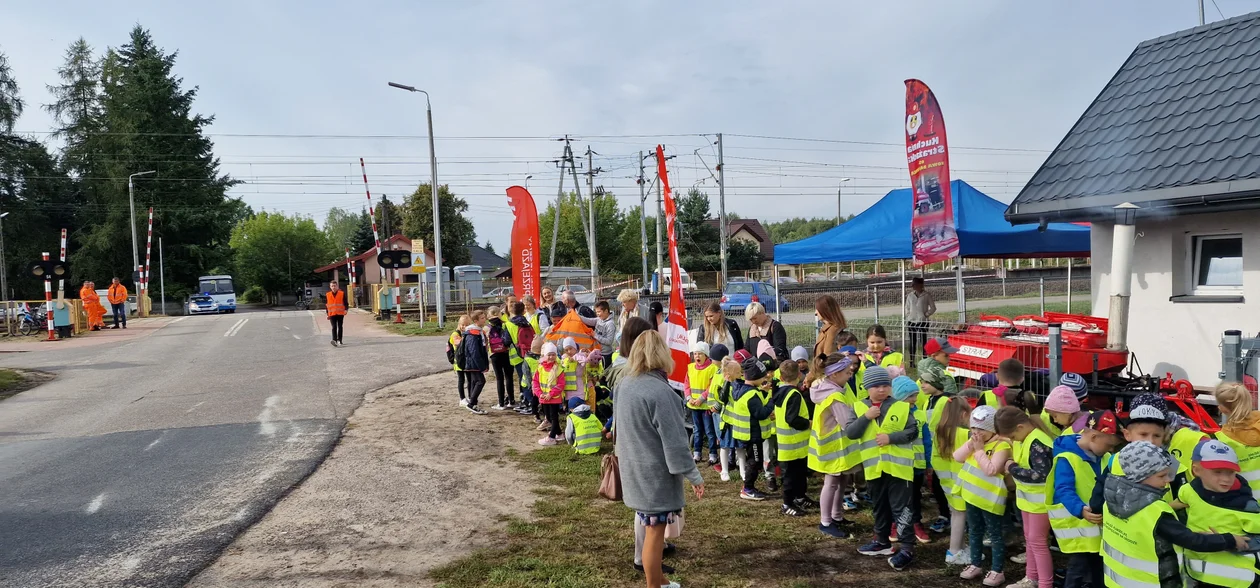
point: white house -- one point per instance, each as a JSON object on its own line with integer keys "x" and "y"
{"x": 1176, "y": 132}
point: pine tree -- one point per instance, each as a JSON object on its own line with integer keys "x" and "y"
{"x": 458, "y": 232}
{"x": 148, "y": 124}
{"x": 11, "y": 104}
{"x": 363, "y": 239}
{"x": 77, "y": 108}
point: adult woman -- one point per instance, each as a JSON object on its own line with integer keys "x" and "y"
{"x": 547, "y": 298}
{"x": 536, "y": 317}
{"x": 656, "y": 314}
{"x": 629, "y": 299}
{"x": 762, "y": 327}
{"x": 827, "y": 310}
{"x": 717, "y": 329}
{"x": 652, "y": 448}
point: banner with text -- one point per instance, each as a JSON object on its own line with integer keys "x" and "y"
{"x": 526, "y": 273}
{"x": 932, "y": 222}
{"x": 675, "y": 330}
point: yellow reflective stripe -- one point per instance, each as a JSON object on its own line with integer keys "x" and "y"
{"x": 901, "y": 461}
{"x": 1061, "y": 513}
{"x": 1033, "y": 497}
{"x": 945, "y": 476}
{"x": 1079, "y": 532}
{"x": 981, "y": 492}
{"x": 1209, "y": 568}
{"x": 735, "y": 417}
{"x": 791, "y": 446}
{"x": 1124, "y": 582}
{"x": 1128, "y": 561}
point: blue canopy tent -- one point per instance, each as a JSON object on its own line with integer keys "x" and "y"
{"x": 883, "y": 232}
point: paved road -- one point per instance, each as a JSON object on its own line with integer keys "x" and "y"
{"x": 142, "y": 460}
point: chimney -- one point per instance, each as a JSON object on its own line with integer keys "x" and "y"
{"x": 1122, "y": 241}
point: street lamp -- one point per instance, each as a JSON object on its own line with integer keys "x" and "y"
{"x": 437, "y": 227}
{"x": 131, "y": 197}
{"x": 527, "y": 182}
{"x": 839, "y": 195}
{"x": 4, "y": 284}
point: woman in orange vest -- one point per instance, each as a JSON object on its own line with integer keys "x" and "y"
{"x": 92, "y": 306}
{"x": 336, "y": 305}
{"x": 118, "y": 301}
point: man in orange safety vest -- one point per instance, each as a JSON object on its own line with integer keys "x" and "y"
{"x": 336, "y": 306}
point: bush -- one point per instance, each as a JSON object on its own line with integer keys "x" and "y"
{"x": 253, "y": 294}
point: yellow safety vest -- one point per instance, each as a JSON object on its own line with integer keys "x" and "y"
{"x": 1075, "y": 535}
{"x": 715, "y": 386}
{"x": 453, "y": 340}
{"x": 1248, "y": 462}
{"x": 1128, "y": 547}
{"x": 1182, "y": 445}
{"x": 989, "y": 398}
{"x": 767, "y": 426}
{"x": 738, "y": 415}
{"x": 1030, "y": 498}
{"x": 793, "y": 444}
{"x": 894, "y": 460}
{"x": 586, "y": 433}
{"x": 570, "y": 375}
{"x": 889, "y": 359}
{"x": 1232, "y": 570}
{"x": 920, "y": 450}
{"x": 513, "y": 331}
{"x": 830, "y": 452}
{"x": 979, "y": 489}
{"x": 1050, "y": 424}
{"x": 533, "y": 322}
{"x": 701, "y": 380}
{"x": 947, "y": 471}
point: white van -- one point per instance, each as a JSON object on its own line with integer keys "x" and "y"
{"x": 687, "y": 284}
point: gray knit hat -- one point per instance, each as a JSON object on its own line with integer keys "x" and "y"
{"x": 982, "y": 418}
{"x": 1142, "y": 459}
{"x": 876, "y": 376}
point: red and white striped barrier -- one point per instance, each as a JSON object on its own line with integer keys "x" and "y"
{"x": 52, "y": 333}
{"x": 397, "y": 276}
{"x": 144, "y": 277}
{"x": 61, "y": 284}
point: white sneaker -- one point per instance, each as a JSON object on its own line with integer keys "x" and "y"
{"x": 463, "y": 402}
{"x": 498, "y": 407}
{"x": 726, "y": 476}
{"x": 961, "y": 558}
{"x": 671, "y": 585}
{"x": 1025, "y": 583}
{"x": 1020, "y": 558}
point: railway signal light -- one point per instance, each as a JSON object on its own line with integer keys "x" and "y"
{"x": 394, "y": 259}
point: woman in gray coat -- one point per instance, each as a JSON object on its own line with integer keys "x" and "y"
{"x": 652, "y": 448}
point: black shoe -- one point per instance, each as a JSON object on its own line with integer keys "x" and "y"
{"x": 124, "y": 326}
{"x": 834, "y": 530}
{"x": 669, "y": 550}
{"x": 791, "y": 510}
{"x": 664, "y": 568}
{"x": 114, "y": 327}
{"x": 773, "y": 484}
{"x": 804, "y": 501}
{"x": 334, "y": 342}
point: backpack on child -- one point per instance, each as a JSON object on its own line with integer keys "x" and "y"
{"x": 525, "y": 334}
{"x": 461, "y": 353}
{"x": 498, "y": 340}
{"x": 450, "y": 351}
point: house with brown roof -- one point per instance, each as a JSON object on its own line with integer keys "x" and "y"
{"x": 749, "y": 230}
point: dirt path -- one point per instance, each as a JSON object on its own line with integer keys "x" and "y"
{"x": 415, "y": 482}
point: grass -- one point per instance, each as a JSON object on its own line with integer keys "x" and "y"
{"x": 576, "y": 539}
{"x": 11, "y": 383}
{"x": 416, "y": 329}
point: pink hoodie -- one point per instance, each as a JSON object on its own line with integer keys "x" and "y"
{"x": 841, "y": 414}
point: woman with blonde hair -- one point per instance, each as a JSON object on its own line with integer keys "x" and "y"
{"x": 832, "y": 322}
{"x": 763, "y": 328}
{"x": 652, "y": 448}
{"x": 629, "y": 300}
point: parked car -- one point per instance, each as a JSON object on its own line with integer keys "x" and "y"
{"x": 739, "y": 295}
{"x": 202, "y": 304}
{"x": 580, "y": 293}
{"x": 739, "y": 279}
{"x": 788, "y": 280}
{"x": 500, "y": 292}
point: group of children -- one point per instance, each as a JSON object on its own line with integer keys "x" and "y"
{"x": 552, "y": 380}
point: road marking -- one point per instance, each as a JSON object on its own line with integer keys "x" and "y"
{"x": 297, "y": 337}
{"x": 178, "y": 319}
{"x": 288, "y": 329}
{"x": 265, "y": 426}
{"x": 234, "y": 327}
{"x": 194, "y": 407}
{"x": 155, "y": 441}
{"x": 96, "y": 503}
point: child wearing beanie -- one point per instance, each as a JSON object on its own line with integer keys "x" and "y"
{"x": 1061, "y": 411}
{"x": 1141, "y": 530}
{"x": 980, "y": 482}
{"x": 886, "y": 420}
{"x": 906, "y": 390}
{"x": 750, "y": 416}
{"x": 1217, "y": 489}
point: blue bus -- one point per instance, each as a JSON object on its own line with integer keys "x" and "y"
{"x": 221, "y": 289}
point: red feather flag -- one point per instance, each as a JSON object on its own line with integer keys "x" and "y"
{"x": 526, "y": 273}
{"x": 674, "y": 331}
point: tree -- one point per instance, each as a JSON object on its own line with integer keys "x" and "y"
{"x": 489, "y": 248}
{"x": 458, "y": 232}
{"x": 341, "y": 227}
{"x": 743, "y": 255}
{"x": 795, "y": 229}
{"x": 147, "y": 123}
{"x": 11, "y": 104}
{"x": 699, "y": 242}
{"x": 389, "y": 218}
{"x": 37, "y": 196}
{"x": 363, "y": 239}
{"x": 278, "y": 252}
{"x": 77, "y": 109}
{"x": 571, "y": 244}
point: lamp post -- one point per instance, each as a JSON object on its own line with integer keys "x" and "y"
{"x": 131, "y": 198}
{"x": 437, "y": 227}
{"x": 839, "y": 195}
{"x": 4, "y": 270}
{"x": 527, "y": 182}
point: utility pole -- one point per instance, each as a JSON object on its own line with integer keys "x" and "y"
{"x": 590, "y": 188}
{"x": 660, "y": 246}
{"x": 162, "y": 275}
{"x": 722, "y": 225}
{"x": 577, "y": 189}
{"x": 555, "y": 225}
{"x": 642, "y": 221}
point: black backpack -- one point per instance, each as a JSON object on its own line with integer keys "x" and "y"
{"x": 460, "y": 353}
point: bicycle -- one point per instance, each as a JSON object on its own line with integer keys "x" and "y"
{"x": 29, "y": 324}
{"x": 302, "y": 304}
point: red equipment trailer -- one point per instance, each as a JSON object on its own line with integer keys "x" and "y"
{"x": 994, "y": 338}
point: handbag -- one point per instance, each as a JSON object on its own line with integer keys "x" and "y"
{"x": 610, "y": 478}
{"x": 674, "y": 529}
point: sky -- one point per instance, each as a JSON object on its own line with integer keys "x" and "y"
{"x": 806, "y": 93}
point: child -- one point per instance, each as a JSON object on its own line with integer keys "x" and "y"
{"x": 452, "y": 348}
{"x": 574, "y": 369}
{"x": 980, "y": 482}
{"x": 582, "y": 430}
{"x": 888, "y": 463}
{"x": 800, "y": 355}
{"x": 1241, "y": 431}
{"x": 832, "y": 453}
{"x": 1140, "y": 531}
{"x": 931, "y": 410}
{"x": 792, "y": 426}
{"x": 1218, "y": 500}
{"x": 523, "y": 335}
{"x": 1010, "y": 376}
{"x": 500, "y": 343}
{"x": 1077, "y": 527}
{"x": 549, "y": 384}
{"x": 751, "y": 422}
{"x": 1032, "y": 453}
{"x": 952, "y": 432}
{"x": 593, "y": 374}
{"x": 1185, "y": 436}
{"x": 700, "y": 375}
{"x": 605, "y": 331}
{"x": 731, "y": 373}
{"x": 932, "y": 366}
{"x": 1061, "y": 410}
{"x": 1076, "y": 383}
{"x": 476, "y": 359}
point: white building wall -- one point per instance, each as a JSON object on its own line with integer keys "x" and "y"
{"x": 1179, "y": 337}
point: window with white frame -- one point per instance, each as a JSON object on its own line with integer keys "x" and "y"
{"x": 1216, "y": 264}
